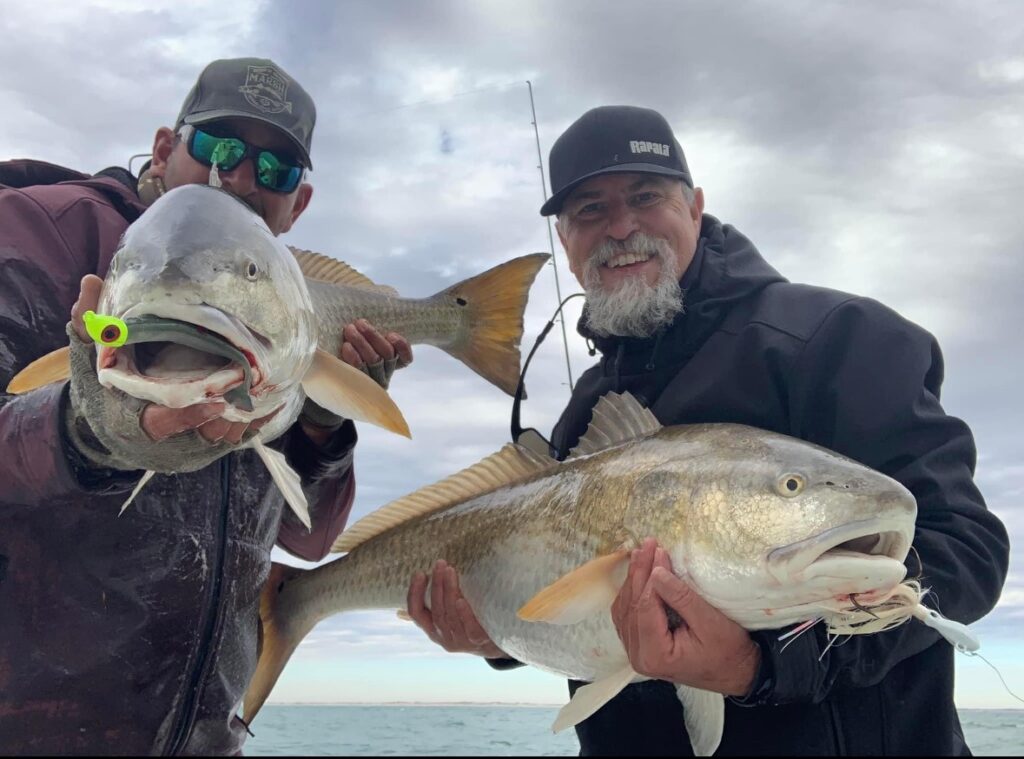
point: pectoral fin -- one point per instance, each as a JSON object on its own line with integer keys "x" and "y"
{"x": 704, "y": 717}
{"x": 287, "y": 481}
{"x": 584, "y": 591}
{"x": 588, "y": 699}
{"x": 53, "y": 367}
{"x": 350, "y": 393}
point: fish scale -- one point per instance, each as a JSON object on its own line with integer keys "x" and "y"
{"x": 433, "y": 321}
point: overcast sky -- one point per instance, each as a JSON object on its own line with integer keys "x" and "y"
{"x": 862, "y": 146}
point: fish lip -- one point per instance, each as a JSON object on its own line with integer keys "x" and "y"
{"x": 230, "y": 328}
{"x": 893, "y": 544}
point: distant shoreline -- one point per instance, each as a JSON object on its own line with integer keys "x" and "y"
{"x": 529, "y": 705}
{"x": 414, "y": 703}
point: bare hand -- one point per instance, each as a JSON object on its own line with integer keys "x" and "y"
{"x": 707, "y": 651}
{"x": 378, "y": 355}
{"x": 160, "y": 422}
{"x": 449, "y": 621}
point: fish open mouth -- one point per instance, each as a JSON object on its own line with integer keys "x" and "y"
{"x": 206, "y": 354}
{"x": 174, "y": 361}
{"x": 852, "y": 551}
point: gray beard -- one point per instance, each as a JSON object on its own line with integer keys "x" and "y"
{"x": 634, "y": 308}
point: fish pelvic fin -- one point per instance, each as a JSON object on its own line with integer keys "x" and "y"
{"x": 589, "y": 698}
{"x": 494, "y": 303}
{"x": 53, "y": 367}
{"x": 146, "y": 477}
{"x": 277, "y": 640}
{"x": 588, "y": 589}
{"x": 350, "y": 393}
{"x": 286, "y": 479}
{"x": 704, "y": 717}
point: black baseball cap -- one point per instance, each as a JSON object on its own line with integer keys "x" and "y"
{"x": 613, "y": 139}
{"x": 252, "y": 88}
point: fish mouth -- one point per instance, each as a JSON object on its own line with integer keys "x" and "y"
{"x": 871, "y": 549}
{"x": 177, "y": 375}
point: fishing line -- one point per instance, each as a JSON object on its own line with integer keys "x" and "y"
{"x": 998, "y": 674}
{"x": 519, "y": 434}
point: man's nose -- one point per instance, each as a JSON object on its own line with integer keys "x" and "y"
{"x": 622, "y": 221}
{"x": 241, "y": 180}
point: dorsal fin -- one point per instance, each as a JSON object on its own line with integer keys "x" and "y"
{"x": 326, "y": 269}
{"x": 617, "y": 419}
{"x": 511, "y": 464}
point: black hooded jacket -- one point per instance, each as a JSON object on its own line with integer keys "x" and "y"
{"x": 849, "y": 374}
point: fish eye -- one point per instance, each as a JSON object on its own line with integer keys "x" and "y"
{"x": 790, "y": 484}
{"x": 252, "y": 271}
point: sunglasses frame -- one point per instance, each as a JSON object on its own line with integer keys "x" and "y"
{"x": 188, "y": 133}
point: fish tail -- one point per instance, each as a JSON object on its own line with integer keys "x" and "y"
{"x": 494, "y": 303}
{"x": 279, "y": 635}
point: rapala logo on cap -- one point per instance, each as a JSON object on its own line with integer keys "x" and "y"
{"x": 640, "y": 146}
{"x": 266, "y": 88}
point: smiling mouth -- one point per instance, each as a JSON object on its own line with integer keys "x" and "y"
{"x": 627, "y": 259}
{"x": 837, "y": 552}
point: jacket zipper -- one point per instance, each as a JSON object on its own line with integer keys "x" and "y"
{"x": 186, "y": 719}
{"x": 837, "y": 728}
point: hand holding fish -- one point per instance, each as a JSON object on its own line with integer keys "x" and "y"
{"x": 378, "y": 355}
{"x": 707, "y": 650}
{"x": 449, "y": 621}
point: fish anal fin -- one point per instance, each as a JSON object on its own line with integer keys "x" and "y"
{"x": 616, "y": 419}
{"x": 350, "y": 393}
{"x": 53, "y": 367}
{"x": 586, "y": 590}
{"x": 704, "y": 717}
{"x": 591, "y": 697}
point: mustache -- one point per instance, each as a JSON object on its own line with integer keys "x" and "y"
{"x": 637, "y": 243}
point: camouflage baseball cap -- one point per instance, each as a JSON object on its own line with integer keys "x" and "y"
{"x": 252, "y": 88}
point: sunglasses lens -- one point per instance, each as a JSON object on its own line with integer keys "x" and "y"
{"x": 276, "y": 175}
{"x": 226, "y": 152}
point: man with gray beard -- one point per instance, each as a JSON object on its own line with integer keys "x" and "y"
{"x": 633, "y": 307}
{"x": 749, "y": 347}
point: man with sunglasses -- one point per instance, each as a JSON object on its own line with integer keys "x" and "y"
{"x": 138, "y": 634}
{"x": 693, "y": 322}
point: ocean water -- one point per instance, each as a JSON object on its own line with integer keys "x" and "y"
{"x": 498, "y": 730}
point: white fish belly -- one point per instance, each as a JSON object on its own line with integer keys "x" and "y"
{"x": 515, "y": 571}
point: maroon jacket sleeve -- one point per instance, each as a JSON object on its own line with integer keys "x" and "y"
{"x": 50, "y": 237}
{"x": 329, "y": 483}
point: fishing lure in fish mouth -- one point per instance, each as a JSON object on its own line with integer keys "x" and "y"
{"x": 106, "y": 330}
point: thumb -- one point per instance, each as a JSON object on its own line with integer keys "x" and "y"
{"x": 679, "y": 596}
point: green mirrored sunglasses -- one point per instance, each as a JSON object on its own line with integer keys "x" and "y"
{"x": 272, "y": 172}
